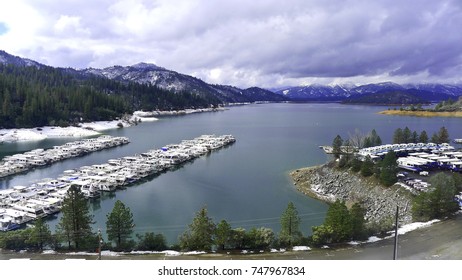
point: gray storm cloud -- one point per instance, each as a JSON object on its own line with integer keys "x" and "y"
{"x": 269, "y": 42}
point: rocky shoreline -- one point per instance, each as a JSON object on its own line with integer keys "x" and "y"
{"x": 327, "y": 183}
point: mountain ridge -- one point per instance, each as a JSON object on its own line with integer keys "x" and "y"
{"x": 338, "y": 93}
{"x": 148, "y": 73}
{"x": 170, "y": 80}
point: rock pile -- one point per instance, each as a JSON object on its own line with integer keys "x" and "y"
{"x": 328, "y": 184}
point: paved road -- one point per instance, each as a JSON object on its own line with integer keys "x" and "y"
{"x": 442, "y": 240}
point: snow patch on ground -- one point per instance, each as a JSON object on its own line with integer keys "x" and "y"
{"x": 88, "y": 129}
{"x": 410, "y": 227}
{"x": 195, "y": 253}
{"x": 402, "y": 230}
{"x": 301, "y": 248}
{"x": 48, "y": 252}
{"x": 37, "y": 134}
{"x": 108, "y": 253}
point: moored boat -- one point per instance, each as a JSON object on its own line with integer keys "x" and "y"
{"x": 44, "y": 197}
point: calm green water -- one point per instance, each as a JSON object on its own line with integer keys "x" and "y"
{"x": 246, "y": 183}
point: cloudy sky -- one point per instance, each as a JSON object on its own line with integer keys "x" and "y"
{"x": 246, "y": 43}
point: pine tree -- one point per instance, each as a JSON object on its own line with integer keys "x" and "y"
{"x": 443, "y": 135}
{"x": 223, "y": 234}
{"x": 337, "y": 146}
{"x": 357, "y": 221}
{"x": 423, "y": 137}
{"x": 290, "y": 233}
{"x": 368, "y": 142}
{"x": 398, "y": 137}
{"x": 339, "y": 220}
{"x": 435, "y": 138}
{"x": 367, "y": 167}
{"x": 356, "y": 164}
{"x": 407, "y": 135}
{"x": 414, "y": 137}
{"x": 438, "y": 202}
{"x": 40, "y": 235}
{"x": 76, "y": 220}
{"x": 119, "y": 224}
{"x": 388, "y": 169}
{"x": 200, "y": 233}
{"x": 375, "y": 138}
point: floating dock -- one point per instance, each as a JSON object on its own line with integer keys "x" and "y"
{"x": 18, "y": 163}
{"x": 22, "y": 204}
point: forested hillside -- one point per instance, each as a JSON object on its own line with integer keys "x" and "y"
{"x": 396, "y": 97}
{"x": 39, "y": 96}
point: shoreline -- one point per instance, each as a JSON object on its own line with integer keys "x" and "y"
{"x": 426, "y": 114}
{"x": 306, "y": 190}
{"x": 439, "y": 239}
{"x": 89, "y": 129}
{"x": 325, "y": 183}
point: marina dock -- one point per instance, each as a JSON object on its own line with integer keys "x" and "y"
{"x": 22, "y": 204}
{"x": 18, "y": 163}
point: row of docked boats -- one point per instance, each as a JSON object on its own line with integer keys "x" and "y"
{"x": 424, "y": 161}
{"x": 18, "y": 163}
{"x": 22, "y": 204}
{"x": 403, "y": 149}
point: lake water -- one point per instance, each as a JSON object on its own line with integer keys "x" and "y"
{"x": 247, "y": 183}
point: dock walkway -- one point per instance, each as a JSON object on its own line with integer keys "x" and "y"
{"x": 17, "y": 163}
{"x": 22, "y": 204}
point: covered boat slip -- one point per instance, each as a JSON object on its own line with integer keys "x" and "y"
{"x": 22, "y": 204}
{"x": 405, "y": 149}
{"x": 18, "y": 163}
{"x": 418, "y": 156}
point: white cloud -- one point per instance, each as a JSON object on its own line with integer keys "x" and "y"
{"x": 70, "y": 26}
{"x": 23, "y": 24}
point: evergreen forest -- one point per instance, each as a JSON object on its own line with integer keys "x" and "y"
{"x": 35, "y": 97}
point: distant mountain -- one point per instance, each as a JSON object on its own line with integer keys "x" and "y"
{"x": 426, "y": 92}
{"x": 374, "y": 88}
{"x": 394, "y": 97}
{"x": 150, "y": 74}
{"x": 6, "y": 58}
{"x": 253, "y": 94}
{"x": 174, "y": 82}
{"x": 145, "y": 73}
{"x": 315, "y": 93}
{"x": 450, "y": 90}
{"x": 258, "y": 94}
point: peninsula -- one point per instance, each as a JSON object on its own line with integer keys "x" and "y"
{"x": 428, "y": 114}
{"x": 390, "y": 178}
{"x": 447, "y": 108}
{"x": 327, "y": 183}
